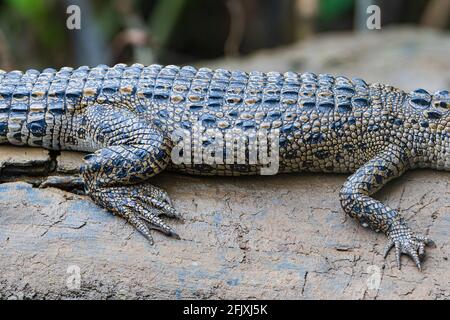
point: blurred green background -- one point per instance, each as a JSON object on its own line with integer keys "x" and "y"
{"x": 33, "y": 33}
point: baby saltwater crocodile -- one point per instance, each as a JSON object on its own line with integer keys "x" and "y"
{"x": 127, "y": 116}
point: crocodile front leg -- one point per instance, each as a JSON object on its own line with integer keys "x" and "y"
{"x": 133, "y": 151}
{"x": 356, "y": 201}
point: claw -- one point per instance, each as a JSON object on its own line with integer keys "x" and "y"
{"x": 154, "y": 221}
{"x": 171, "y": 212}
{"x": 426, "y": 240}
{"x": 141, "y": 205}
{"x": 406, "y": 242}
{"x": 166, "y": 198}
{"x": 160, "y": 199}
{"x": 421, "y": 251}
{"x": 413, "y": 254}
{"x": 141, "y": 227}
{"x": 160, "y": 194}
{"x": 174, "y": 235}
{"x": 388, "y": 248}
{"x": 397, "y": 255}
{"x": 167, "y": 209}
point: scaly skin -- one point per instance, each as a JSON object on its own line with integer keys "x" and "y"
{"x": 127, "y": 118}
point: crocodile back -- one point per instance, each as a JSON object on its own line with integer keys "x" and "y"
{"x": 322, "y": 122}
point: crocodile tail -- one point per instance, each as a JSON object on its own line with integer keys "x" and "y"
{"x": 15, "y": 111}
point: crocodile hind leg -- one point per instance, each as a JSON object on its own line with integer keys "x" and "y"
{"x": 356, "y": 201}
{"x": 131, "y": 151}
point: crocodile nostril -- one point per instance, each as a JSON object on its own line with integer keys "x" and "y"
{"x": 441, "y": 99}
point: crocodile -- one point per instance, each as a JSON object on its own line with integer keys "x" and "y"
{"x": 130, "y": 120}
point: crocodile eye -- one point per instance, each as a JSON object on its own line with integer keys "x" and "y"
{"x": 420, "y": 98}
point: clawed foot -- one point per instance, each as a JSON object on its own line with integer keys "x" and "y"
{"x": 141, "y": 205}
{"x": 406, "y": 242}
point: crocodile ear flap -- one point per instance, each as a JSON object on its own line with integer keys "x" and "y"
{"x": 441, "y": 99}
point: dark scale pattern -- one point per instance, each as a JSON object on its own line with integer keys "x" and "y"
{"x": 17, "y": 107}
{"x": 4, "y": 108}
{"x": 6, "y": 90}
{"x": 57, "y": 99}
{"x": 126, "y": 115}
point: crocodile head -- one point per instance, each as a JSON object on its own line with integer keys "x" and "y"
{"x": 430, "y": 123}
{"x": 441, "y": 102}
